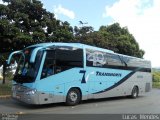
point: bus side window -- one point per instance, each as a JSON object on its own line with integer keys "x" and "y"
{"x": 49, "y": 66}
{"x": 47, "y": 70}
{"x": 114, "y": 60}
{"x": 67, "y": 59}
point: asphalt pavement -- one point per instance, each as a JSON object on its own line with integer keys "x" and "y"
{"x": 148, "y": 103}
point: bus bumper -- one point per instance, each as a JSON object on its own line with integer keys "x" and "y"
{"x": 25, "y": 94}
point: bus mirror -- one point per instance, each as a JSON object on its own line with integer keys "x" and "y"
{"x": 11, "y": 55}
{"x": 34, "y": 53}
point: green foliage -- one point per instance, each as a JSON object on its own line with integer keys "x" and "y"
{"x": 156, "y": 76}
{"x": 5, "y": 89}
{"x": 26, "y": 22}
{"x": 111, "y": 37}
{"x": 156, "y": 84}
{"x": 120, "y": 40}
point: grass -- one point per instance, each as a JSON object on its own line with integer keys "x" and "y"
{"x": 156, "y": 84}
{"x": 5, "y": 89}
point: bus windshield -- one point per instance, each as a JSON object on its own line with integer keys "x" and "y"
{"x": 26, "y": 72}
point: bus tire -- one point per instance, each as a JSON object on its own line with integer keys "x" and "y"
{"x": 135, "y": 92}
{"x": 73, "y": 97}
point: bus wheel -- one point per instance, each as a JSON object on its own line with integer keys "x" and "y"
{"x": 73, "y": 97}
{"x": 135, "y": 92}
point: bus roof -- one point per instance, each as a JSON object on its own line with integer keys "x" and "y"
{"x": 78, "y": 45}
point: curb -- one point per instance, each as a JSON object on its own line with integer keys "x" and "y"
{"x": 5, "y": 96}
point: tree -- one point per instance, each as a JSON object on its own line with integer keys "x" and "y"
{"x": 112, "y": 37}
{"x": 83, "y": 34}
{"x": 26, "y": 22}
{"x": 120, "y": 40}
{"x": 156, "y": 76}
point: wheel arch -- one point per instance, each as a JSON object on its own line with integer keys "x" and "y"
{"x": 78, "y": 88}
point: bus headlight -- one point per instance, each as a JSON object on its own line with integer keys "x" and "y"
{"x": 31, "y": 92}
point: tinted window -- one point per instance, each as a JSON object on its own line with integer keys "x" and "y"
{"x": 61, "y": 59}
{"x": 69, "y": 58}
{"x": 114, "y": 60}
{"x": 102, "y": 59}
{"x": 135, "y": 62}
{"x": 49, "y": 64}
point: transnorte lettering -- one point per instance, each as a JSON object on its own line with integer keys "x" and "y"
{"x": 108, "y": 74}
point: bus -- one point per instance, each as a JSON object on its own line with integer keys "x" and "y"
{"x": 72, "y": 72}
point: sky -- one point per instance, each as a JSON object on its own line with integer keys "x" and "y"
{"x": 141, "y": 17}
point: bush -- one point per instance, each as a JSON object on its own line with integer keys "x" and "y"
{"x": 156, "y": 85}
{"x": 156, "y": 76}
{"x": 5, "y": 89}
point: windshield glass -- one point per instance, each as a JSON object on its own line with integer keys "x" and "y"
{"x": 26, "y": 72}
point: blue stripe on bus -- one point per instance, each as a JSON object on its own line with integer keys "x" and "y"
{"x": 120, "y": 82}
